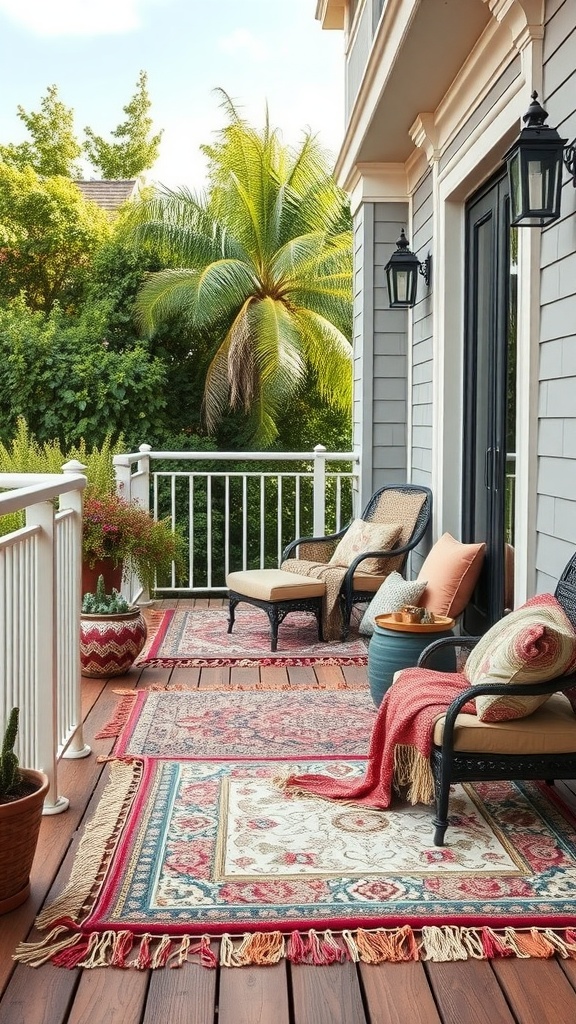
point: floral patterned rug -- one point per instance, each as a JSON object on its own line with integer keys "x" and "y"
{"x": 207, "y": 858}
{"x": 243, "y": 723}
{"x": 199, "y": 636}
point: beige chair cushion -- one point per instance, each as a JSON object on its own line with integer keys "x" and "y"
{"x": 273, "y": 585}
{"x": 367, "y": 581}
{"x": 549, "y": 730}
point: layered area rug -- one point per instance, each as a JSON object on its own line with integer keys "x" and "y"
{"x": 196, "y": 852}
{"x": 199, "y": 637}
{"x": 242, "y": 723}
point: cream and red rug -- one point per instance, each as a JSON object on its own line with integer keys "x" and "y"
{"x": 203, "y": 856}
{"x": 199, "y": 636}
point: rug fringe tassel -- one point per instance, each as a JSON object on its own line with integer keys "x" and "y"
{"x": 96, "y": 841}
{"x": 315, "y": 948}
{"x": 121, "y": 715}
{"x": 445, "y": 944}
{"x": 259, "y": 948}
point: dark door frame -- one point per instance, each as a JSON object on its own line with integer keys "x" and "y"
{"x": 487, "y": 297}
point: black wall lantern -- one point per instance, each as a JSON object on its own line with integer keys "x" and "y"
{"x": 402, "y": 272}
{"x": 535, "y": 170}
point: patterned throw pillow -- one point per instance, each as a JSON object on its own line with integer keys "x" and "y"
{"x": 362, "y": 536}
{"x": 533, "y": 644}
{"x": 392, "y": 596}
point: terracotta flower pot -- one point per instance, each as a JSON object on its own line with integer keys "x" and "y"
{"x": 105, "y": 567}
{"x": 110, "y": 643}
{"x": 19, "y": 827}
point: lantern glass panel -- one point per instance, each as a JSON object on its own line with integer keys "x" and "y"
{"x": 402, "y": 282}
{"x": 535, "y": 179}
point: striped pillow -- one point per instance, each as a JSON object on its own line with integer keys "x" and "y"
{"x": 533, "y": 644}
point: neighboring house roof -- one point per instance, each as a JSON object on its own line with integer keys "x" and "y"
{"x": 109, "y": 194}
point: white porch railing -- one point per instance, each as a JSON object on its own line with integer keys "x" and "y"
{"x": 238, "y": 510}
{"x": 40, "y": 567}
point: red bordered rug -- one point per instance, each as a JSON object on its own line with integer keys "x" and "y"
{"x": 207, "y": 857}
{"x": 199, "y": 637}
{"x": 242, "y": 724}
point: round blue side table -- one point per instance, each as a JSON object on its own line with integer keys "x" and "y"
{"x": 395, "y": 645}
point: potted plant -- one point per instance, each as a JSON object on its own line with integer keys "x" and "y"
{"x": 127, "y": 538}
{"x": 22, "y": 793}
{"x": 112, "y": 633}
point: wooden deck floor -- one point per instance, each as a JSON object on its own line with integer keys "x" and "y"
{"x": 475, "y": 992}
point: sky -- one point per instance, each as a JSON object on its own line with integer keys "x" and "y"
{"x": 260, "y": 52}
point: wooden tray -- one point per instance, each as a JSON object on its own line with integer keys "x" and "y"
{"x": 441, "y": 622}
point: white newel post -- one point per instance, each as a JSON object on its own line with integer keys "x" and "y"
{"x": 134, "y": 487}
{"x": 123, "y": 473}
{"x": 142, "y": 480}
{"x": 140, "y": 487}
{"x": 44, "y": 656}
{"x": 73, "y": 501}
{"x": 319, "y": 490}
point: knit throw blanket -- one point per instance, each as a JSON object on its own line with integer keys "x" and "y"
{"x": 400, "y": 745}
{"x": 332, "y": 576}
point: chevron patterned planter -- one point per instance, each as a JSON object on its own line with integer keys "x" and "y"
{"x": 110, "y": 643}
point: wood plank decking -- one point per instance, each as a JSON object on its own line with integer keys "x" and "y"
{"x": 474, "y": 992}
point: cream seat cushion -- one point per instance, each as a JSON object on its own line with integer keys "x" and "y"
{"x": 549, "y": 730}
{"x": 273, "y": 585}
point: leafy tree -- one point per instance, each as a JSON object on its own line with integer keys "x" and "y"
{"x": 48, "y": 234}
{"x": 136, "y": 150}
{"x": 53, "y": 148}
{"x": 265, "y": 271}
{"x": 60, "y": 376}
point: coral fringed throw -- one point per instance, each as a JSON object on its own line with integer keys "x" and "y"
{"x": 400, "y": 745}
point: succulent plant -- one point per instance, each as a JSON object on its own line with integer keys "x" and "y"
{"x": 101, "y": 603}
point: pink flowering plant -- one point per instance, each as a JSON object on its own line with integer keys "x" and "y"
{"x": 129, "y": 536}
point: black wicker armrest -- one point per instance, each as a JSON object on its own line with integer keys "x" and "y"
{"x": 447, "y": 641}
{"x": 498, "y": 690}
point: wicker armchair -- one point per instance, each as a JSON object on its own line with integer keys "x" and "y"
{"x": 385, "y": 506}
{"x": 540, "y": 746}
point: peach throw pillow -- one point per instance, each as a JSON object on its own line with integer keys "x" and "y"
{"x": 452, "y": 570}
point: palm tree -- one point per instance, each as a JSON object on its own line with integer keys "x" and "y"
{"x": 263, "y": 264}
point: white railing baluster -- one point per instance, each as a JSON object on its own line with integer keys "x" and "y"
{"x": 297, "y": 531}
{"x": 209, "y": 532}
{"x": 244, "y": 521}
{"x": 226, "y": 525}
{"x": 39, "y": 609}
{"x": 338, "y": 503}
{"x": 191, "y": 530}
{"x": 279, "y": 519}
{"x": 262, "y": 520}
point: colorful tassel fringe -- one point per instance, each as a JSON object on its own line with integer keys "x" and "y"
{"x": 380, "y": 945}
